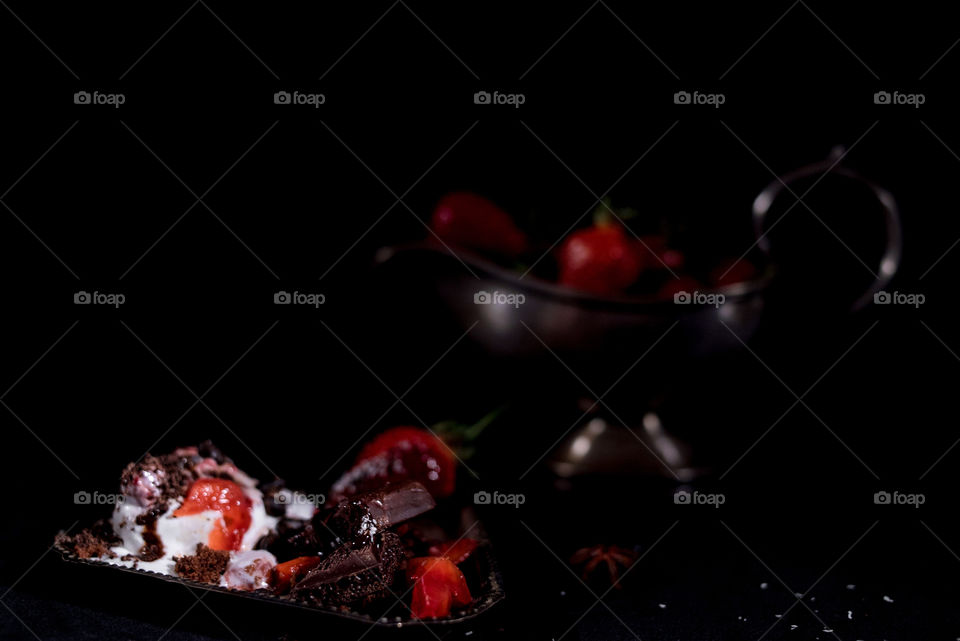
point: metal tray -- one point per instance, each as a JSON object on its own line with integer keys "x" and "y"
{"x": 481, "y": 571}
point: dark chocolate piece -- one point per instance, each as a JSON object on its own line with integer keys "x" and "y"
{"x": 353, "y": 574}
{"x": 396, "y": 503}
{"x": 364, "y": 515}
{"x": 354, "y": 522}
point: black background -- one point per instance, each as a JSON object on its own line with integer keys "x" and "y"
{"x": 295, "y": 198}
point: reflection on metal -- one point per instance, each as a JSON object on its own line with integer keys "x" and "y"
{"x": 598, "y": 447}
{"x": 580, "y": 447}
{"x": 669, "y": 452}
{"x": 893, "y": 244}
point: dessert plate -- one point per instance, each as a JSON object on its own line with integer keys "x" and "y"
{"x": 480, "y": 570}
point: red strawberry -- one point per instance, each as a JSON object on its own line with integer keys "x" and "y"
{"x": 225, "y": 497}
{"x": 733, "y": 271}
{"x": 439, "y": 586}
{"x": 673, "y": 286}
{"x": 284, "y": 575}
{"x": 472, "y": 221}
{"x": 600, "y": 260}
{"x": 671, "y": 259}
{"x": 401, "y": 453}
{"x": 458, "y": 551}
{"x": 656, "y": 255}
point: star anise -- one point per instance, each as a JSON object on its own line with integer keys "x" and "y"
{"x": 612, "y": 556}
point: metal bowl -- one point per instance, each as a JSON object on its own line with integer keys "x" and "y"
{"x": 518, "y": 317}
{"x": 570, "y": 321}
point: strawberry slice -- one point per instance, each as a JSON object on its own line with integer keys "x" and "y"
{"x": 225, "y": 497}
{"x": 439, "y": 586}
{"x": 284, "y": 575}
{"x": 456, "y": 551}
{"x": 400, "y": 454}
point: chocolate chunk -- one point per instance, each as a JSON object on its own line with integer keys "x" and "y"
{"x": 396, "y": 503}
{"x": 366, "y": 514}
{"x": 354, "y": 574}
{"x": 354, "y": 522}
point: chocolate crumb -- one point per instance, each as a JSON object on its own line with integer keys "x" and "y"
{"x": 94, "y": 541}
{"x": 206, "y": 565}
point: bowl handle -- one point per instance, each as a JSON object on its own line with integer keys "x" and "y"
{"x": 889, "y": 262}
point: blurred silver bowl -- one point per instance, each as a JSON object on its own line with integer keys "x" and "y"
{"x": 516, "y": 317}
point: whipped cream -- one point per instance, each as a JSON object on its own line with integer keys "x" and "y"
{"x": 249, "y": 570}
{"x": 180, "y": 535}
